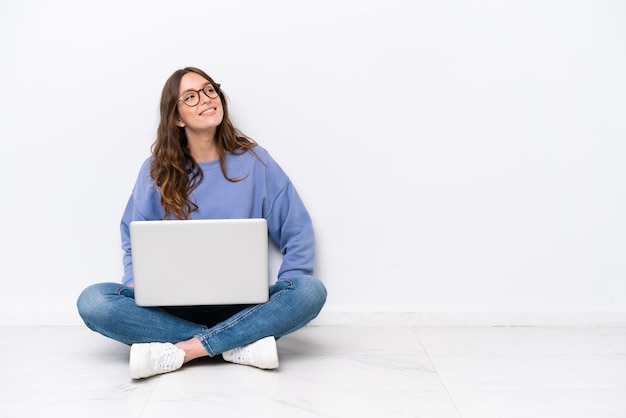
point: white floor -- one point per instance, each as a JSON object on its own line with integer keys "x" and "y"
{"x": 342, "y": 371}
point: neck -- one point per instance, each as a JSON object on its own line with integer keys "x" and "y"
{"x": 202, "y": 148}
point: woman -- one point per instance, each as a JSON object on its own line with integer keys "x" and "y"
{"x": 203, "y": 167}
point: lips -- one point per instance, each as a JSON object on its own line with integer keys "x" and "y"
{"x": 208, "y": 111}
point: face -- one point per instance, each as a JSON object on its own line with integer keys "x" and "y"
{"x": 204, "y": 117}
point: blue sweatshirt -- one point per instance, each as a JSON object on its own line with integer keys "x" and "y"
{"x": 266, "y": 193}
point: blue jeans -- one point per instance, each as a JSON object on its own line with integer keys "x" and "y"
{"x": 110, "y": 309}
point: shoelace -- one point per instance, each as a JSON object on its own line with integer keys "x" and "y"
{"x": 166, "y": 359}
{"x": 242, "y": 354}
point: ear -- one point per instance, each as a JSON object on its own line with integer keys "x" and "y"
{"x": 180, "y": 123}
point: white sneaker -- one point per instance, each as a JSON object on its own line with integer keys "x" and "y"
{"x": 149, "y": 359}
{"x": 262, "y": 354}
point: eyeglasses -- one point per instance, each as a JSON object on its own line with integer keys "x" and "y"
{"x": 192, "y": 97}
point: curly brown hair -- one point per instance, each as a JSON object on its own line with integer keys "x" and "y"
{"x": 173, "y": 169}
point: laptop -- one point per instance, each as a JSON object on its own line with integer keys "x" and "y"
{"x": 200, "y": 262}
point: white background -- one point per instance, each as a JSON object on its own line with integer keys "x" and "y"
{"x": 457, "y": 157}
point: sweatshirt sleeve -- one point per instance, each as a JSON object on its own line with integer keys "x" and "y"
{"x": 143, "y": 204}
{"x": 127, "y": 218}
{"x": 290, "y": 227}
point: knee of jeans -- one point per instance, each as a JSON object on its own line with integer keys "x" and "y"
{"x": 313, "y": 288}
{"x": 91, "y": 300}
{"x": 86, "y": 299}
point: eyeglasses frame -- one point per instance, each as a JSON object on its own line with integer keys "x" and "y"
{"x": 216, "y": 86}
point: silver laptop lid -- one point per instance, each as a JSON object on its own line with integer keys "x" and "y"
{"x": 200, "y": 262}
